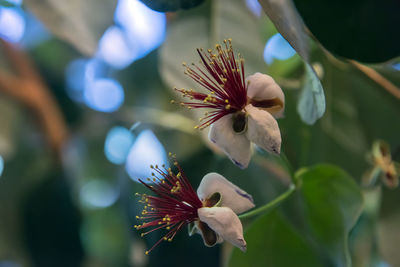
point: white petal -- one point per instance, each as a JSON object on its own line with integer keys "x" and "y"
{"x": 231, "y": 195}
{"x": 225, "y": 223}
{"x": 236, "y": 146}
{"x": 263, "y": 130}
{"x": 263, "y": 87}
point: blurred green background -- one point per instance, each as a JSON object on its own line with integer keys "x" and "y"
{"x": 85, "y": 90}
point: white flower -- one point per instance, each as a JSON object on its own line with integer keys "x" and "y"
{"x": 210, "y": 212}
{"x": 257, "y": 122}
{"x": 242, "y": 111}
{"x": 218, "y": 221}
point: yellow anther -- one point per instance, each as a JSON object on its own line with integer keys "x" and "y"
{"x": 227, "y": 107}
{"x": 147, "y": 253}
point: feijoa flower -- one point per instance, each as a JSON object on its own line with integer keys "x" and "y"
{"x": 240, "y": 110}
{"x": 210, "y": 212}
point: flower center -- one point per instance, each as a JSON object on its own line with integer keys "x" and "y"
{"x": 239, "y": 122}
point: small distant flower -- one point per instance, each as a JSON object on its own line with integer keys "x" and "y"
{"x": 210, "y": 212}
{"x": 241, "y": 110}
{"x": 383, "y": 166}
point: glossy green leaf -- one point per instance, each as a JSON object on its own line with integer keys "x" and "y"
{"x": 311, "y": 105}
{"x": 362, "y": 29}
{"x": 171, "y": 5}
{"x": 332, "y": 204}
{"x": 272, "y": 241}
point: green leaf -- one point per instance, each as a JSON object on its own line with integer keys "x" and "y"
{"x": 283, "y": 14}
{"x": 361, "y": 30}
{"x": 80, "y": 23}
{"x": 311, "y": 105}
{"x": 333, "y": 203}
{"x": 289, "y": 24}
{"x": 272, "y": 241}
{"x": 171, "y": 5}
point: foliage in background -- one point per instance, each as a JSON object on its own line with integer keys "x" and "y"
{"x": 345, "y": 108}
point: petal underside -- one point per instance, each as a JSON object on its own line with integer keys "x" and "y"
{"x": 231, "y": 195}
{"x": 235, "y": 145}
{"x": 225, "y": 223}
{"x": 263, "y": 129}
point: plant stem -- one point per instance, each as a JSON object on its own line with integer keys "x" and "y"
{"x": 288, "y": 166}
{"x": 270, "y": 205}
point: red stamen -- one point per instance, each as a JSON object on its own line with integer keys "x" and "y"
{"x": 175, "y": 205}
{"x": 223, "y": 76}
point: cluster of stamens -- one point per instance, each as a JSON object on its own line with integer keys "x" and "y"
{"x": 223, "y": 76}
{"x": 175, "y": 205}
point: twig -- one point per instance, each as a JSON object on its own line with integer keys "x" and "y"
{"x": 378, "y": 78}
{"x": 27, "y": 87}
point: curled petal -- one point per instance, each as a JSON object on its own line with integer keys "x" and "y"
{"x": 235, "y": 145}
{"x": 225, "y": 223}
{"x": 263, "y": 130}
{"x": 231, "y": 195}
{"x": 210, "y": 237}
{"x": 266, "y": 94}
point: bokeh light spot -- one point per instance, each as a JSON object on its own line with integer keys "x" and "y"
{"x": 12, "y": 24}
{"x": 1, "y": 165}
{"x": 255, "y": 7}
{"x": 98, "y": 194}
{"x": 140, "y": 30}
{"x": 117, "y": 145}
{"x": 115, "y": 49}
{"x": 105, "y": 95}
{"x": 277, "y": 48}
{"x": 147, "y": 150}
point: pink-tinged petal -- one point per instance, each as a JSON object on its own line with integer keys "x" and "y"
{"x": 266, "y": 94}
{"x": 225, "y": 223}
{"x": 263, "y": 130}
{"x": 231, "y": 196}
{"x": 235, "y": 145}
